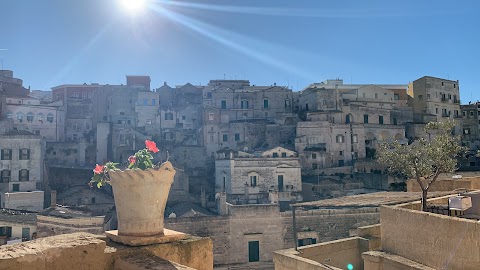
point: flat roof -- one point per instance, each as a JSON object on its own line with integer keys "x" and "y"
{"x": 372, "y": 199}
{"x": 17, "y": 216}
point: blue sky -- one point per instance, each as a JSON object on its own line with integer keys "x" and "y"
{"x": 52, "y": 42}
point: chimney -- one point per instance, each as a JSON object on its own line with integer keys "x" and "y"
{"x": 53, "y": 199}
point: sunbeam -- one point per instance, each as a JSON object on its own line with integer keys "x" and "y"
{"x": 289, "y": 12}
{"x": 239, "y": 44}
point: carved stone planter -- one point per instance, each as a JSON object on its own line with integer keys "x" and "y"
{"x": 140, "y": 200}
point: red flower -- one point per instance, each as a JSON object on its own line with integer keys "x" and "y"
{"x": 151, "y": 146}
{"x": 132, "y": 159}
{"x": 98, "y": 169}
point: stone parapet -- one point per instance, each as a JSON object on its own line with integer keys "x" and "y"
{"x": 79, "y": 251}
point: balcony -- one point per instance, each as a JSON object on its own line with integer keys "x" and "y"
{"x": 444, "y": 99}
{"x": 456, "y": 101}
{"x": 445, "y": 115}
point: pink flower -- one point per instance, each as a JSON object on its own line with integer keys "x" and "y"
{"x": 132, "y": 159}
{"x": 99, "y": 169}
{"x": 151, "y": 146}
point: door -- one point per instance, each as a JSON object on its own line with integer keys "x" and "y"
{"x": 280, "y": 183}
{"x": 26, "y": 233}
{"x": 253, "y": 251}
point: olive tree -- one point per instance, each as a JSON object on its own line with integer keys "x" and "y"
{"x": 426, "y": 158}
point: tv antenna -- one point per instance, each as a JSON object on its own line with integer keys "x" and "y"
{"x": 1, "y": 60}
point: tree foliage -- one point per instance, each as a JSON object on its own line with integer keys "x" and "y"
{"x": 426, "y": 158}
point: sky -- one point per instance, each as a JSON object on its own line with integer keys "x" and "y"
{"x": 293, "y": 43}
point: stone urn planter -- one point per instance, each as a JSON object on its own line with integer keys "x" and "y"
{"x": 140, "y": 200}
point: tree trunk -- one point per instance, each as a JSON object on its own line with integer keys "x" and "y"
{"x": 424, "y": 200}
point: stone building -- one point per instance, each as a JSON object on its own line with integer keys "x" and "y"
{"x": 273, "y": 175}
{"x": 346, "y": 122}
{"x": 22, "y": 168}
{"x": 17, "y": 226}
{"x": 436, "y": 96}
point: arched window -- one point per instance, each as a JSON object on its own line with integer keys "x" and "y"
{"x": 244, "y": 104}
{"x": 30, "y": 117}
{"x": 253, "y": 179}
{"x": 50, "y": 117}
{"x": 20, "y": 116}
{"x": 40, "y": 117}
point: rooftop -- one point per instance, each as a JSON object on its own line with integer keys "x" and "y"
{"x": 16, "y": 216}
{"x": 371, "y": 200}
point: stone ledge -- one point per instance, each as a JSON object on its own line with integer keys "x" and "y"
{"x": 78, "y": 251}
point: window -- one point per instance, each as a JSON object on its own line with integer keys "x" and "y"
{"x": 23, "y": 175}
{"x": 471, "y": 113}
{"x": 280, "y": 183}
{"x": 464, "y": 113}
{"x": 184, "y": 117}
{"x": 436, "y": 110}
{"x": 149, "y": 121}
{"x": 442, "y": 83}
{"x": 145, "y": 102}
{"x": 314, "y": 155}
{"x": 380, "y": 119}
{"x": 9, "y": 115}
{"x": 347, "y": 119}
{"x": 466, "y": 131}
{"x": 75, "y": 95}
{"x": 211, "y": 138}
{"x": 237, "y": 137}
{"x": 341, "y": 163}
{"x": 6, "y": 154}
{"x": 244, "y": 104}
{"x": 16, "y": 187}
{"x": 74, "y": 127}
{"x": 376, "y": 95}
{"x": 253, "y": 251}
{"x": 223, "y": 104}
{"x": 420, "y": 97}
{"x": 168, "y": 136}
{"x": 265, "y": 103}
{"x": 210, "y": 116}
{"x": 87, "y": 126}
{"x": 122, "y": 113}
{"x": 314, "y": 166}
{"x": 395, "y": 122}
{"x": 5, "y": 176}
{"x": 24, "y": 154}
{"x": 355, "y": 138}
{"x": 287, "y": 104}
{"x": 284, "y": 154}
{"x": 428, "y": 96}
{"x": 340, "y": 153}
{"x": 306, "y": 241}
{"x": 449, "y": 96}
{"x": 275, "y": 155}
{"x": 225, "y": 137}
{"x": 340, "y": 139}
{"x": 153, "y": 102}
{"x": 169, "y": 116}
{"x": 454, "y": 86}
{"x": 84, "y": 95}
{"x": 30, "y": 117}
{"x": 20, "y": 116}
{"x": 253, "y": 180}
{"x": 93, "y": 200}
{"x": 365, "y": 118}
{"x": 306, "y": 107}
{"x": 50, "y": 117}
{"x": 40, "y": 116}
{"x": 209, "y": 95}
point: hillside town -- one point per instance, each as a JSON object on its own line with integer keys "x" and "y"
{"x": 243, "y": 154}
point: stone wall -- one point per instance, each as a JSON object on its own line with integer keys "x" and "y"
{"x": 443, "y": 242}
{"x": 80, "y": 251}
{"x": 269, "y": 226}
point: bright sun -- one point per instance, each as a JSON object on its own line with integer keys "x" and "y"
{"x": 134, "y": 5}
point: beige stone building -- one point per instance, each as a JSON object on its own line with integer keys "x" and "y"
{"x": 22, "y": 171}
{"x": 271, "y": 176}
{"x": 436, "y": 96}
{"x": 17, "y": 226}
